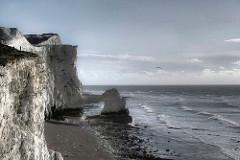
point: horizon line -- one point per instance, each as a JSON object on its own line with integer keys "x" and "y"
{"x": 161, "y": 85}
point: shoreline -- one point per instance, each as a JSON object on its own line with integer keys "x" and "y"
{"x": 108, "y": 138}
{"x": 75, "y": 142}
{"x": 97, "y": 139}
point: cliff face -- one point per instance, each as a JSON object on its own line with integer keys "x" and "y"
{"x": 65, "y": 87}
{"x": 61, "y": 60}
{"x": 35, "y": 79}
{"x": 23, "y": 99}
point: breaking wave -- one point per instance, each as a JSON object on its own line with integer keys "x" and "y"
{"x": 147, "y": 108}
{"x": 213, "y": 116}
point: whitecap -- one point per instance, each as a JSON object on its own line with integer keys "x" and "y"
{"x": 225, "y": 120}
{"x": 186, "y": 108}
{"x": 165, "y": 119}
{"x": 232, "y": 101}
{"x": 147, "y": 108}
{"x": 205, "y": 113}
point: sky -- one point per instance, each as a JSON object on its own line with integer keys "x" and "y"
{"x": 140, "y": 42}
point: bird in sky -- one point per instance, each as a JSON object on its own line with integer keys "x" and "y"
{"x": 159, "y": 67}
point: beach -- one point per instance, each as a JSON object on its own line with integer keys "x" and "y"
{"x": 75, "y": 142}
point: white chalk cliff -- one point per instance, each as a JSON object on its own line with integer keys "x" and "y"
{"x": 34, "y": 77}
{"x": 65, "y": 87}
{"x": 23, "y": 100}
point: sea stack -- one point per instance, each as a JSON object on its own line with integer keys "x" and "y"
{"x": 113, "y": 103}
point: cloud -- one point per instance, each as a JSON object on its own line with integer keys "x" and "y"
{"x": 195, "y": 60}
{"x": 205, "y": 76}
{"x": 217, "y": 62}
{"x": 237, "y": 63}
{"x": 148, "y": 73}
{"x": 208, "y": 71}
{"x": 133, "y": 69}
{"x": 221, "y": 67}
{"x": 234, "y": 40}
{"x": 95, "y": 54}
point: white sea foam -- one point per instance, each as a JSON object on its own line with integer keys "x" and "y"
{"x": 220, "y": 118}
{"x": 140, "y": 92}
{"x": 225, "y": 120}
{"x": 205, "y": 113}
{"x": 227, "y": 148}
{"x": 163, "y": 117}
{"x": 166, "y": 120}
{"x": 88, "y": 91}
{"x": 186, "y": 108}
{"x": 147, "y": 108}
{"x": 233, "y": 101}
{"x": 213, "y": 116}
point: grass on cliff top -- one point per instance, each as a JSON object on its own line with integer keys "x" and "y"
{"x": 8, "y": 53}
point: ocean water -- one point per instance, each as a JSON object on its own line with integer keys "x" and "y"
{"x": 195, "y": 119}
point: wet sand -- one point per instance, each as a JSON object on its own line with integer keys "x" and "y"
{"x": 75, "y": 142}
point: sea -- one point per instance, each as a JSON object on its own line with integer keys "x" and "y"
{"x": 200, "y": 122}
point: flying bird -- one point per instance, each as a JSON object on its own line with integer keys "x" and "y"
{"x": 159, "y": 67}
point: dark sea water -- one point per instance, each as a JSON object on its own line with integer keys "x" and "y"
{"x": 190, "y": 122}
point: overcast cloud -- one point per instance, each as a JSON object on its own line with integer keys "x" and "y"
{"x": 140, "y": 41}
{"x": 235, "y": 40}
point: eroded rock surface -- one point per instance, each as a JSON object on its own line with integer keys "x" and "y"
{"x": 23, "y": 100}
{"x": 113, "y": 102}
{"x": 64, "y": 86}
{"x": 37, "y": 78}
